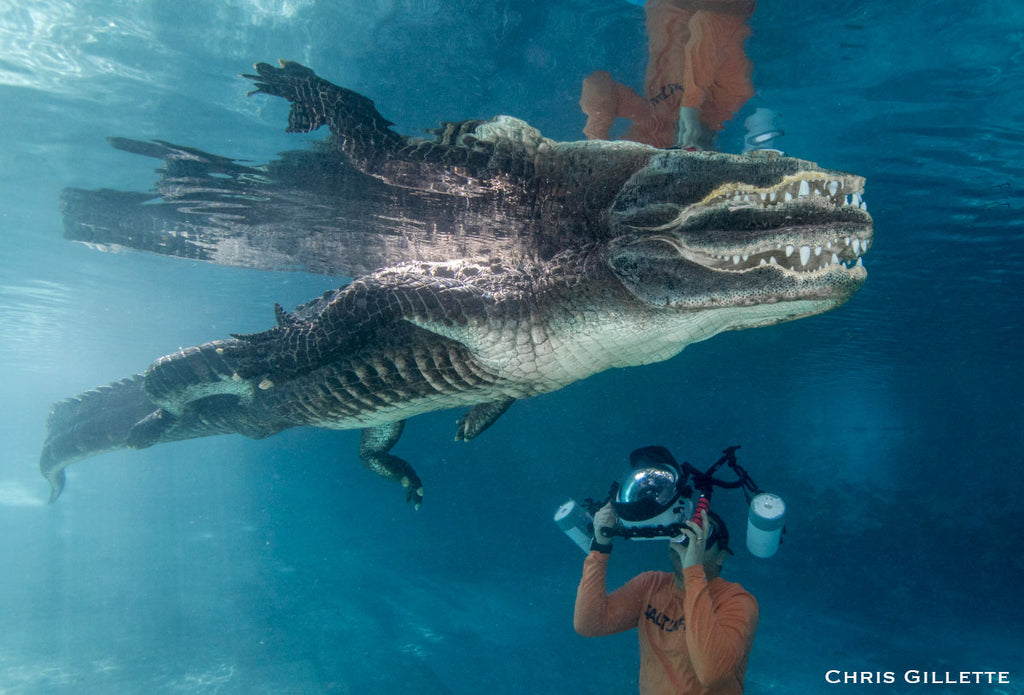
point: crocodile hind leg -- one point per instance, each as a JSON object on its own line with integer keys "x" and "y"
{"x": 374, "y": 446}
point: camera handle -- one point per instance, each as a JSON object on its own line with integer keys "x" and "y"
{"x": 628, "y": 532}
{"x": 669, "y": 530}
{"x": 703, "y": 505}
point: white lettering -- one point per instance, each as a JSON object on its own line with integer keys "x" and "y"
{"x": 915, "y": 676}
{"x": 835, "y": 677}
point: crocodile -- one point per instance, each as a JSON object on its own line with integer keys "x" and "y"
{"x": 485, "y": 264}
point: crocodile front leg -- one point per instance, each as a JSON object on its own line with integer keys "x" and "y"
{"x": 374, "y": 446}
{"x": 353, "y": 118}
{"x": 461, "y": 160}
{"x": 479, "y": 418}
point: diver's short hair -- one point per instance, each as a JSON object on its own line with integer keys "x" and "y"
{"x": 720, "y": 533}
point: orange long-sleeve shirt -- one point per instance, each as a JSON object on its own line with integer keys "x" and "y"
{"x": 691, "y": 641}
{"x": 696, "y": 59}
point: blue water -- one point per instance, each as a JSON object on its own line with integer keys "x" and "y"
{"x": 892, "y": 426}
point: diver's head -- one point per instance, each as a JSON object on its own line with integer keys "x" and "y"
{"x": 715, "y": 549}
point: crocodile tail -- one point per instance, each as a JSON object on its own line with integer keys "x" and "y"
{"x": 91, "y": 423}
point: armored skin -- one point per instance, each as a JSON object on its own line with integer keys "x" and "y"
{"x": 486, "y": 264}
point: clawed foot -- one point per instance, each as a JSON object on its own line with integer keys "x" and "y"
{"x": 415, "y": 490}
{"x": 283, "y": 82}
{"x": 299, "y": 85}
{"x": 396, "y": 468}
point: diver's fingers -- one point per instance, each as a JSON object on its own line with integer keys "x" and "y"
{"x": 699, "y": 531}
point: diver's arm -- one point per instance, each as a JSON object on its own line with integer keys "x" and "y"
{"x": 599, "y": 613}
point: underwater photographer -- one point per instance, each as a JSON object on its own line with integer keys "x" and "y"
{"x": 695, "y": 629}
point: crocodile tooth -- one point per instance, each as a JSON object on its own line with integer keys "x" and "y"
{"x": 805, "y": 189}
{"x": 788, "y": 197}
{"x": 835, "y": 258}
{"x": 789, "y": 250}
{"x": 805, "y": 254}
{"x": 856, "y": 246}
{"x": 833, "y": 187}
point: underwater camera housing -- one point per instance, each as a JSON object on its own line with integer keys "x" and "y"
{"x": 653, "y": 499}
{"x": 658, "y": 495}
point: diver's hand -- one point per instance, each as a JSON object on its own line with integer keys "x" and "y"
{"x": 604, "y": 518}
{"x": 697, "y": 543}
